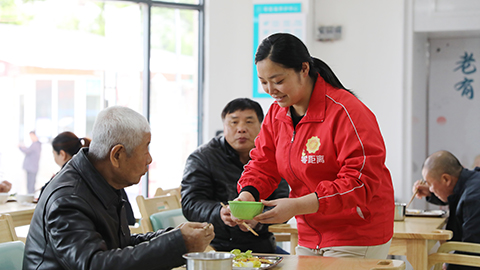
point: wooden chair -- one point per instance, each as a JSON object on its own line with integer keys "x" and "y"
{"x": 171, "y": 191}
{"x": 170, "y": 218}
{"x": 7, "y": 229}
{"x": 443, "y": 256}
{"x": 167, "y": 218}
{"x": 153, "y": 205}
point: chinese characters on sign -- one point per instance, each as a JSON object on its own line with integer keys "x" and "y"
{"x": 467, "y": 67}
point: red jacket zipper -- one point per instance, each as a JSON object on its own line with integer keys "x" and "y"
{"x": 293, "y": 173}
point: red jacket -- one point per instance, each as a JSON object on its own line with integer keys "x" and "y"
{"x": 337, "y": 151}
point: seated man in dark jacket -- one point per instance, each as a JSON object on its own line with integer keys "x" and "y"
{"x": 80, "y": 221}
{"x": 448, "y": 182}
{"x": 211, "y": 174}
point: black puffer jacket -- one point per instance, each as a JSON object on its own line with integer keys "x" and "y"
{"x": 210, "y": 177}
{"x": 80, "y": 223}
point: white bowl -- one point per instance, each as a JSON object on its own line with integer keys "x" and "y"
{"x": 24, "y": 198}
{"x": 3, "y": 198}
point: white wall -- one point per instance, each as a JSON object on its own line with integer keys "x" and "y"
{"x": 228, "y": 57}
{"x": 369, "y": 60}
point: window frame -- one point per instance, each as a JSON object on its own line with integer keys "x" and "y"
{"x": 146, "y": 6}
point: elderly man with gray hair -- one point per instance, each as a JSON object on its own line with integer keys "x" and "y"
{"x": 80, "y": 222}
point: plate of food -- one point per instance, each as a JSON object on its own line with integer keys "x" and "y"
{"x": 424, "y": 213}
{"x": 246, "y": 260}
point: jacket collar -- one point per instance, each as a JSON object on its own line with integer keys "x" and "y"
{"x": 460, "y": 186}
{"x": 316, "y": 105}
{"x": 231, "y": 153}
{"x": 99, "y": 186}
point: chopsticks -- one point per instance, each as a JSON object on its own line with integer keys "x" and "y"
{"x": 244, "y": 224}
{"x": 415, "y": 193}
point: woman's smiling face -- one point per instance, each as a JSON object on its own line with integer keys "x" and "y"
{"x": 285, "y": 85}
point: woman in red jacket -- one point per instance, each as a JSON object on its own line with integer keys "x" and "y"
{"x": 327, "y": 145}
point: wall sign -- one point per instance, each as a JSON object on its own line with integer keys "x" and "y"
{"x": 453, "y": 100}
{"x": 274, "y": 18}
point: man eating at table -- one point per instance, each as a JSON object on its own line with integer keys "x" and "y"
{"x": 447, "y": 181}
{"x": 80, "y": 220}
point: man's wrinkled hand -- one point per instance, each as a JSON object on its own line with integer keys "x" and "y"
{"x": 226, "y": 216}
{"x": 197, "y": 236}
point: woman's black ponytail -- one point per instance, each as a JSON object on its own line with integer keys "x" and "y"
{"x": 290, "y": 52}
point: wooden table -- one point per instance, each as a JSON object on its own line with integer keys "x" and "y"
{"x": 293, "y": 262}
{"x": 21, "y": 213}
{"x": 413, "y": 237}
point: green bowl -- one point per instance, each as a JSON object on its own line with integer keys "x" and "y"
{"x": 245, "y": 209}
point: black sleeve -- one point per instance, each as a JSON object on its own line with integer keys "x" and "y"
{"x": 435, "y": 200}
{"x": 252, "y": 191}
{"x": 198, "y": 198}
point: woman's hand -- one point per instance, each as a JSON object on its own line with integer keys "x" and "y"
{"x": 245, "y": 196}
{"x": 286, "y": 208}
{"x": 230, "y": 220}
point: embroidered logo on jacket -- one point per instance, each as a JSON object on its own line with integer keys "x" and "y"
{"x": 312, "y": 146}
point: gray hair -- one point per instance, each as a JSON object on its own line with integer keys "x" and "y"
{"x": 117, "y": 125}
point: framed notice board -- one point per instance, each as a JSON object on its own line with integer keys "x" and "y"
{"x": 270, "y": 18}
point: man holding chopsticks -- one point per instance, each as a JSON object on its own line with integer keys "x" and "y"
{"x": 210, "y": 179}
{"x": 80, "y": 220}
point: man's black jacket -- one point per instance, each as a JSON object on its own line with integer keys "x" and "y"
{"x": 210, "y": 177}
{"x": 80, "y": 223}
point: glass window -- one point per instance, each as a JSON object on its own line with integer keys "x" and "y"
{"x": 43, "y": 110}
{"x": 174, "y": 94}
{"x": 66, "y": 106}
{"x": 63, "y": 61}
{"x": 56, "y": 58}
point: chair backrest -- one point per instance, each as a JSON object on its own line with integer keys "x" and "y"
{"x": 168, "y": 218}
{"x": 11, "y": 255}
{"x": 443, "y": 256}
{"x": 7, "y": 229}
{"x": 172, "y": 191}
{"x": 154, "y": 205}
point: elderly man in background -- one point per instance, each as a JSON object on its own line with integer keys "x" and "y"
{"x": 448, "y": 182}
{"x": 211, "y": 174}
{"x": 80, "y": 221}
